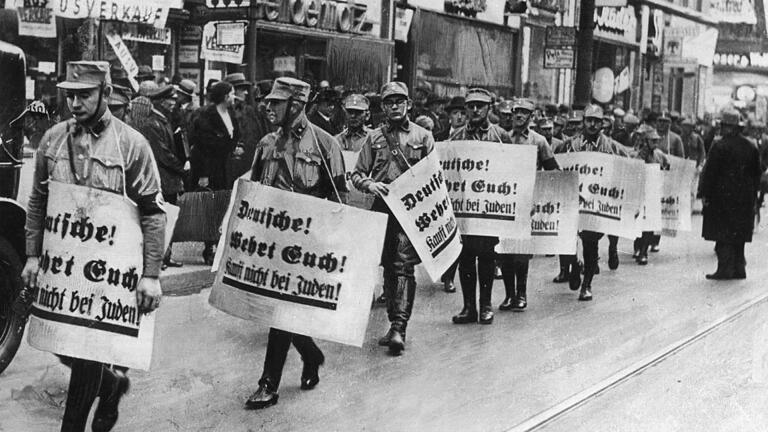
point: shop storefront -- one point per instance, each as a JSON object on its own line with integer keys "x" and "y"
{"x": 616, "y": 56}
{"x": 741, "y": 79}
{"x": 341, "y": 42}
{"x": 453, "y": 53}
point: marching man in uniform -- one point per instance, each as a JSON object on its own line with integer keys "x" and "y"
{"x": 95, "y": 150}
{"x": 353, "y": 136}
{"x": 388, "y": 152}
{"x": 302, "y": 158}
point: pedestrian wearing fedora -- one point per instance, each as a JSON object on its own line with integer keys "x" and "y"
{"x": 590, "y": 139}
{"x": 217, "y": 132}
{"x": 251, "y": 130}
{"x": 325, "y": 110}
{"x": 729, "y": 186}
{"x": 96, "y": 150}
{"x": 388, "y": 152}
{"x": 353, "y": 136}
{"x": 477, "y": 261}
{"x": 514, "y": 267}
{"x": 302, "y": 158}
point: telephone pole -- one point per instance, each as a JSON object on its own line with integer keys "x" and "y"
{"x": 583, "y": 86}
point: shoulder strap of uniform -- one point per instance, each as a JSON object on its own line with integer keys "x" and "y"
{"x": 394, "y": 148}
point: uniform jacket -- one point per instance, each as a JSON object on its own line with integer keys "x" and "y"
{"x": 376, "y": 163}
{"x": 729, "y": 183}
{"x": 101, "y": 152}
{"x": 353, "y": 141}
{"x": 672, "y": 144}
{"x": 603, "y": 144}
{"x": 214, "y": 146}
{"x": 486, "y": 132}
{"x": 693, "y": 146}
{"x": 544, "y": 154}
{"x": 299, "y": 160}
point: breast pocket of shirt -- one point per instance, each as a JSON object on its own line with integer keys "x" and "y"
{"x": 307, "y": 169}
{"x": 415, "y": 152}
{"x": 380, "y": 156}
{"x": 106, "y": 174}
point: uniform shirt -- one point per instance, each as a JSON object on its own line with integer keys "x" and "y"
{"x": 672, "y": 144}
{"x": 603, "y": 144}
{"x": 299, "y": 159}
{"x": 376, "y": 163}
{"x": 98, "y": 152}
{"x": 353, "y": 141}
{"x": 484, "y": 132}
{"x": 651, "y": 156}
{"x": 694, "y": 148}
{"x": 529, "y": 137}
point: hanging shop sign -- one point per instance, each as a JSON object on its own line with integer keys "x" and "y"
{"x": 126, "y": 59}
{"x": 189, "y": 53}
{"x": 36, "y": 18}
{"x": 690, "y": 40}
{"x": 146, "y": 34}
{"x": 212, "y": 50}
{"x": 559, "y": 58}
{"x": 559, "y": 37}
{"x": 403, "y": 19}
{"x": 232, "y": 33}
{"x": 616, "y": 24}
{"x": 150, "y": 12}
{"x": 339, "y": 16}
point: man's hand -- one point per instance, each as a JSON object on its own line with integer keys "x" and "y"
{"x": 203, "y": 182}
{"x": 30, "y": 271}
{"x": 187, "y": 166}
{"x": 378, "y": 188}
{"x": 239, "y": 151}
{"x": 148, "y": 294}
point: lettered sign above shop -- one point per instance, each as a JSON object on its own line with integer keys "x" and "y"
{"x": 752, "y": 60}
{"x": 617, "y": 24}
{"x": 150, "y": 12}
{"x": 35, "y": 17}
{"x": 340, "y": 16}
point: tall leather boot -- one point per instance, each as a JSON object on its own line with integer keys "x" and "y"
{"x": 508, "y": 274}
{"x": 485, "y": 275}
{"x": 401, "y": 313}
{"x": 586, "y": 287}
{"x": 390, "y": 283}
{"x": 521, "y": 273}
{"x": 468, "y": 313}
{"x": 613, "y": 253}
{"x": 565, "y": 264}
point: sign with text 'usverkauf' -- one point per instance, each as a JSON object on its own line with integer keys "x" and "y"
{"x": 298, "y": 263}
{"x": 419, "y": 200}
{"x": 611, "y": 191}
{"x": 91, "y": 265}
{"x": 149, "y": 12}
{"x": 490, "y": 185}
{"x": 554, "y": 216}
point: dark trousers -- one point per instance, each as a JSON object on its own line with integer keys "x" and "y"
{"x": 477, "y": 265}
{"x": 643, "y": 243}
{"x": 514, "y": 272}
{"x": 613, "y": 242}
{"x": 88, "y": 380}
{"x": 731, "y": 261}
{"x": 589, "y": 241}
{"x": 277, "y": 350}
{"x": 450, "y": 274}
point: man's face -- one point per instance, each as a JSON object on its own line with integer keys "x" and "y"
{"x": 437, "y": 107}
{"x": 592, "y": 126}
{"x": 547, "y": 132}
{"x": 356, "y": 118}
{"x": 241, "y": 94}
{"x": 618, "y": 123}
{"x": 458, "y": 118}
{"x": 557, "y": 129}
{"x": 521, "y": 118}
{"x": 168, "y": 104}
{"x": 84, "y": 104}
{"x": 653, "y": 143}
{"x": 606, "y": 125}
{"x": 572, "y": 128}
{"x": 276, "y": 110}
{"x": 420, "y": 98}
{"x": 662, "y": 126}
{"x": 396, "y": 107}
{"x": 326, "y": 108}
{"x": 477, "y": 112}
{"x": 507, "y": 120}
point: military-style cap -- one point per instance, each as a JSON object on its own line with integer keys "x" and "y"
{"x": 356, "y": 102}
{"x": 287, "y": 87}
{"x": 593, "y": 111}
{"x": 631, "y": 119}
{"x": 83, "y": 75}
{"x": 730, "y": 116}
{"x": 165, "y": 92}
{"x": 523, "y": 103}
{"x": 545, "y": 123}
{"x": 394, "y": 88}
{"x": 187, "y": 87}
{"x": 651, "y": 133}
{"x": 674, "y": 115}
{"x": 687, "y": 121}
{"x": 618, "y": 112}
{"x": 478, "y": 95}
{"x": 577, "y": 116}
{"x": 145, "y": 73}
{"x": 664, "y": 117}
{"x": 237, "y": 79}
{"x": 119, "y": 96}
{"x": 505, "y": 107}
{"x": 456, "y": 103}
{"x": 559, "y": 120}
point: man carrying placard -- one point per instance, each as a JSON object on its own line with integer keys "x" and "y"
{"x": 303, "y": 158}
{"x": 649, "y": 152}
{"x": 514, "y": 267}
{"x": 388, "y": 152}
{"x": 590, "y": 139}
{"x": 96, "y": 150}
{"x": 353, "y": 136}
{"x": 477, "y": 261}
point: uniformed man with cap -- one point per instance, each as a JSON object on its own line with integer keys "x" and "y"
{"x": 353, "y": 136}
{"x": 302, "y": 158}
{"x": 94, "y": 149}
{"x": 574, "y": 124}
{"x": 675, "y": 126}
{"x": 671, "y": 144}
{"x": 514, "y": 267}
{"x": 557, "y": 129}
{"x": 506, "y": 116}
{"x": 546, "y": 128}
{"x": 477, "y": 261}
{"x": 631, "y": 122}
{"x": 590, "y": 139}
{"x": 119, "y": 100}
{"x": 387, "y": 153}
